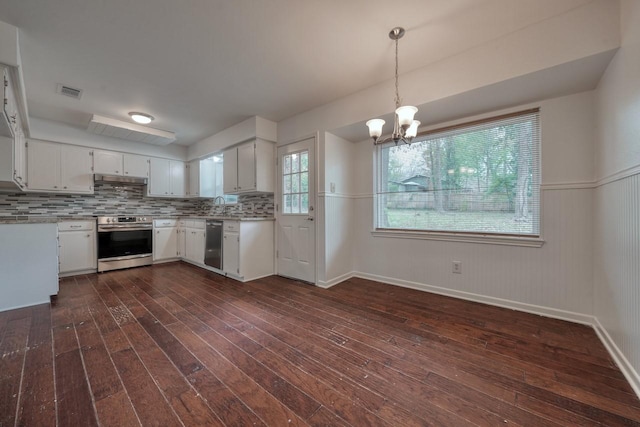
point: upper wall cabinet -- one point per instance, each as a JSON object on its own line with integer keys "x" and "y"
{"x": 166, "y": 178}
{"x": 121, "y": 164}
{"x": 249, "y": 168}
{"x": 193, "y": 189}
{"x": 59, "y": 168}
{"x": 12, "y": 146}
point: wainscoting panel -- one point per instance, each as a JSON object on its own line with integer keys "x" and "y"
{"x": 558, "y": 275}
{"x": 617, "y": 270}
{"x": 338, "y": 235}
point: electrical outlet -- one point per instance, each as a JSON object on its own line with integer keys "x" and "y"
{"x": 332, "y": 187}
{"x": 457, "y": 267}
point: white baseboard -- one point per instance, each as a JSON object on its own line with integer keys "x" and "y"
{"x": 332, "y": 282}
{"x": 570, "y": 316}
{"x": 627, "y": 369}
{"x": 77, "y": 273}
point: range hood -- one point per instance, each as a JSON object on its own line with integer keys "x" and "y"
{"x": 117, "y": 179}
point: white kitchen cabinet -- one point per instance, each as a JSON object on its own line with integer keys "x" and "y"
{"x": 182, "y": 242}
{"x": 12, "y": 138}
{"x": 166, "y": 178}
{"x": 249, "y": 168}
{"x": 195, "y": 238}
{"x": 76, "y": 175}
{"x": 231, "y": 252}
{"x": 120, "y": 164}
{"x": 165, "y": 239}
{"x": 13, "y": 161}
{"x": 43, "y": 165}
{"x": 107, "y": 162}
{"x": 59, "y": 168}
{"x": 194, "y": 178}
{"x": 178, "y": 180}
{"x": 247, "y": 249}
{"x": 20, "y": 157}
{"x": 136, "y": 166}
{"x": 77, "y": 243}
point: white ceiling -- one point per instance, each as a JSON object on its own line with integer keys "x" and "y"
{"x": 200, "y": 66}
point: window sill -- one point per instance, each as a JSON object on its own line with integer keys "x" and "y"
{"x": 532, "y": 242}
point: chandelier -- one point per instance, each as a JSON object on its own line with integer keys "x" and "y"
{"x": 404, "y": 127}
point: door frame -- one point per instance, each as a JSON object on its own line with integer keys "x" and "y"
{"x": 278, "y": 196}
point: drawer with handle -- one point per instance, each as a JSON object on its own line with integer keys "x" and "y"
{"x": 165, "y": 223}
{"x": 76, "y": 225}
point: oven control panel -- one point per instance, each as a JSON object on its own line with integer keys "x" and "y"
{"x": 124, "y": 220}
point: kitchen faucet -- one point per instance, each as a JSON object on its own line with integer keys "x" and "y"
{"x": 219, "y": 200}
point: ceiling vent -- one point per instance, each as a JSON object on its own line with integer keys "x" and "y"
{"x": 101, "y": 125}
{"x": 69, "y": 91}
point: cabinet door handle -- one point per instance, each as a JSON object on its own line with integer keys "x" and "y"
{"x": 117, "y": 172}
{"x": 88, "y": 235}
{"x": 55, "y": 186}
{"x": 65, "y": 187}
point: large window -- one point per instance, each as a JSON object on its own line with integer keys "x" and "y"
{"x": 479, "y": 178}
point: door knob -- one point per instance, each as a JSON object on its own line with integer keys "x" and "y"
{"x": 310, "y": 218}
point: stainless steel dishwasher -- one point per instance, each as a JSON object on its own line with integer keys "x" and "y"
{"x": 213, "y": 247}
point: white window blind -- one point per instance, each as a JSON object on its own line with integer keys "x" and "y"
{"x": 482, "y": 178}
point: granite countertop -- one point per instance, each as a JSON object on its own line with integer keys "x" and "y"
{"x": 34, "y": 219}
{"x": 220, "y": 218}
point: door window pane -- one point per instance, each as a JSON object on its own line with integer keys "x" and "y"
{"x": 295, "y": 183}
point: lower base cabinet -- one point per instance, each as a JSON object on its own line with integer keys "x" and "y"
{"x": 247, "y": 249}
{"x": 165, "y": 239}
{"x": 77, "y": 244}
{"x": 195, "y": 239}
{"x": 247, "y": 245}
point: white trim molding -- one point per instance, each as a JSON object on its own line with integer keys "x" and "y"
{"x": 532, "y": 242}
{"x": 627, "y": 369}
{"x": 336, "y": 280}
{"x": 624, "y": 173}
{"x": 582, "y": 185}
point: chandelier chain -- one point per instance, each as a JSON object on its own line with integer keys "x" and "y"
{"x": 398, "y": 101}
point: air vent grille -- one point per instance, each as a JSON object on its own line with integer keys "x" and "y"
{"x": 69, "y": 91}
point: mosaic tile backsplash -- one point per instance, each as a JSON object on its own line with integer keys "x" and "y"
{"x": 111, "y": 199}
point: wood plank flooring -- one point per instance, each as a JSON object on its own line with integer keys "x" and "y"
{"x": 173, "y": 344}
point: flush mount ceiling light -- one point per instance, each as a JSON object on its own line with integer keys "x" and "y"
{"x": 141, "y": 117}
{"x": 404, "y": 127}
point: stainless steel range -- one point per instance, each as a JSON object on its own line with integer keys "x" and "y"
{"x": 124, "y": 241}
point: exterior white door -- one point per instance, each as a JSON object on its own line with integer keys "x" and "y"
{"x": 296, "y": 230}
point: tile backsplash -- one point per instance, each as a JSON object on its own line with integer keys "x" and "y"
{"x": 110, "y": 199}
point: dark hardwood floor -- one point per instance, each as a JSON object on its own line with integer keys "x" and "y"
{"x": 176, "y": 345}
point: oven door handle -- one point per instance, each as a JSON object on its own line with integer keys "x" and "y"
{"x": 124, "y": 258}
{"x": 123, "y": 228}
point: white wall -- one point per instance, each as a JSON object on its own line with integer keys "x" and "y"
{"x": 582, "y": 32}
{"x": 61, "y": 132}
{"x": 336, "y": 158}
{"x": 248, "y": 129}
{"x": 557, "y": 278}
{"x": 617, "y": 199}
